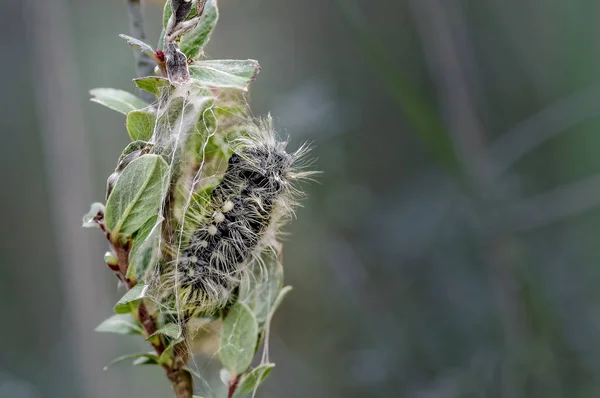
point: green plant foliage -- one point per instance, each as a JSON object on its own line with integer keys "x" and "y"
{"x": 193, "y": 42}
{"x": 121, "y": 324}
{"x": 137, "y": 195}
{"x": 195, "y": 124}
{"x": 146, "y": 355}
{"x": 227, "y": 73}
{"x": 117, "y": 100}
{"x": 138, "y": 44}
{"x": 150, "y": 359}
{"x": 261, "y": 293}
{"x": 238, "y": 338}
{"x": 131, "y": 299}
{"x": 132, "y": 147}
{"x": 142, "y": 250}
{"x": 140, "y": 125}
{"x": 282, "y": 295}
{"x": 253, "y": 379}
{"x": 88, "y": 219}
{"x": 153, "y": 84}
{"x": 171, "y": 330}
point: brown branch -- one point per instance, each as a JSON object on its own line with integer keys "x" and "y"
{"x": 233, "y": 385}
{"x": 180, "y": 378}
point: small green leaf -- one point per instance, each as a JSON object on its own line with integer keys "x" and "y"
{"x": 238, "y": 338}
{"x": 193, "y": 43}
{"x": 118, "y": 100}
{"x": 140, "y": 45}
{"x": 227, "y": 73}
{"x": 132, "y": 147}
{"x": 253, "y": 379}
{"x": 130, "y": 299}
{"x": 143, "y": 249}
{"x": 130, "y": 356}
{"x": 121, "y": 324}
{"x": 150, "y": 359}
{"x": 88, "y": 219}
{"x": 260, "y": 291}
{"x": 171, "y": 330}
{"x": 282, "y": 294}
{"x": 167, "y": 354}
{"x": 153, "y": 84}
{"x": 167, "y": 12}
{"x": 140, "y": 125}
{"x": 137, "y": 195}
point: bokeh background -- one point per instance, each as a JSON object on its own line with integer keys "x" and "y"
{"x": 451, "y": 246}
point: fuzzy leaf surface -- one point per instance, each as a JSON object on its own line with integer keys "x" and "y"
{"x": 253, "y": 379}
{"x": 117, "y": 100}
{"x": 137, "y": 195}
{"x": 121, "y": 324}
{"x": 171, "y": 330}
{"x": 143, "y": 249}
{"x": 238, "y": 338}
{"x": 140, "y": 125}
{"x": 262, "y": 289}
{"x": 130, "y": 299}
{"x": 227, "y": 73}
{"x": 138, "y": 44}
{"x": 193, "y": 43}
{"x": 153, "y": 84}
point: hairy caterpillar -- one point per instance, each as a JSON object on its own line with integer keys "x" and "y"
{"x": 255, "y": 197}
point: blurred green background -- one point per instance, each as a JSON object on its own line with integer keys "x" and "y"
{"x": 450, "y": 248}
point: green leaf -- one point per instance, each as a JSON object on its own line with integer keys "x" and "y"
{"x": 150, "y": 359}
{"x": 167, "y": 354}
{"x": 253, "y": 379}
{"x": 171, "y": 330}
{"x": 88, "y": 219}
{"x": 260, "y": 291}
{"x": 130, "y": 356}
{"x": 117, "y": 100}
{"x": 121, "y": 324}
{"x": 140, "y": 45}
{"x": 132, "y": 147}
{"x": 153, "y": 84}
{"x": 140, "y": 125}
{"x": 227, "y": 73}
{"x": 193, "y": 43}
{"x": 137, "y": 195}
{"x": 143, "y": 249}
{"x": 238, "y": 338}
{"x": 131, "y": 299}
{"x": 166, "y": 15}
{"x": 167, "y": 11}
{"x": 282, "y": 294}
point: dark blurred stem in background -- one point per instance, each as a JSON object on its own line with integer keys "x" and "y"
{"x": 144, "y": 65}
{"x": 69, "y": 174}
{"x": 446, "y": 64}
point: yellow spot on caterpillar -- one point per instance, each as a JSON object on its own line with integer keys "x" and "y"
{"x": 219, "y": 217}
{"x": 212, "y": 230}
{"x": 227, "y": 206}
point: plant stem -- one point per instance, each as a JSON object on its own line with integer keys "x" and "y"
{"x": 180, "y": 378}
{"x": 233, "y": 385}
{"x": 144, "y": 65}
